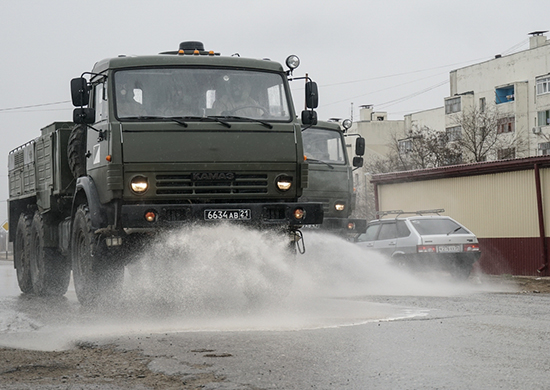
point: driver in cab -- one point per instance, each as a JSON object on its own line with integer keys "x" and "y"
{"x": 236, "y": 100}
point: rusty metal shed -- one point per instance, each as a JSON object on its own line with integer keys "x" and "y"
{"x": 502, "y": 202}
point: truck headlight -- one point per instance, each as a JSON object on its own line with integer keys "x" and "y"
{"x": 339, "y": 206}
{"x": 139, "y": 184}
{"x": 283, "y": 183}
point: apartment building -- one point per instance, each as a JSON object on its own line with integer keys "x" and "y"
{"x": 517, "y": 86}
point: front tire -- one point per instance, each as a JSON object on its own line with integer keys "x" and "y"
{"x": 95, "y": 277}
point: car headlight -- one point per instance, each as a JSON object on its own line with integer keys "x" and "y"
{"x": 139, "y": 184}
{"x": 283, "y": 183}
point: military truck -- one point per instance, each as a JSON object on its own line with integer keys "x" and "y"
{"x": 157, "y": 142}
{"x": 330, "y": 175}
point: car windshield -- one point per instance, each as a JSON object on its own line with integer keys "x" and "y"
{"x": 192, "y": 93}
{"x": 323, "y": 145}
{"x": 438, "y": 226}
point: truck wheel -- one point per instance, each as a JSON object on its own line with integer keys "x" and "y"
{"x": 76, "y": 151}
{"x": 95, "y": 277}
{"x": 50, "y": 271}
{"x": 21, "y": 250}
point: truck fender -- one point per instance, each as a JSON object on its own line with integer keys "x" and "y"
{"x": 86, "y": 192}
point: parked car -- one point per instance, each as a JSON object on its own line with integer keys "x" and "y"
{"x": 424, "y": 241}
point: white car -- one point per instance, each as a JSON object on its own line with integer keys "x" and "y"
{"x": 430, "y": 242}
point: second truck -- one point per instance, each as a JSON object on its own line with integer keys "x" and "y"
{"x": 330, "y": 174}
{"x": 156, "y": 142}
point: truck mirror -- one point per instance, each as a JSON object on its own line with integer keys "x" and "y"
{"x": 309, "y": 118}
{"x": 312, "y": 95}
{"x": 80, "y": 92}
{"x": 358, "y": 162}
{"x": 360, "y": 146}
{"x": 84, "y": 116}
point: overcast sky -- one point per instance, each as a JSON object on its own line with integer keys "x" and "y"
{"x": 393, "y": 54}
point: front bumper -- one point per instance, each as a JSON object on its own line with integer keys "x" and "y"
{"x": 258, "y": 214}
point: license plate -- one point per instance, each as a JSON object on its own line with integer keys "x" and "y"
{"x": 227, "y": 214}
{"x": 449, "y": 248}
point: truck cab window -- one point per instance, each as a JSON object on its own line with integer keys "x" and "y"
{"x": 323, "y": 145}
{"x": 100, "y": 102}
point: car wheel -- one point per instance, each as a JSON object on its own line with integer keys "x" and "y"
{"x": 461, "y": 270}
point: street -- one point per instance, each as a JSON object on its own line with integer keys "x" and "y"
{"x": 350, "y": 323}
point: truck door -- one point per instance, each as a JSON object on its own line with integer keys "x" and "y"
{"x": 98, "y": 139}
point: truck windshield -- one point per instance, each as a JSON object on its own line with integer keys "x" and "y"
{"x": 323, "y": 145}
{"x": 192, "y": 93}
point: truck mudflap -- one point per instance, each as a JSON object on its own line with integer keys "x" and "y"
{"x": 151, "y": 216}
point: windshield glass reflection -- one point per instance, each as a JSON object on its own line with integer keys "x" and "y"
{"x": 190, "y": 92}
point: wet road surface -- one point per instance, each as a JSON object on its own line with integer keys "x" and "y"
{"x": 348, "y": 327}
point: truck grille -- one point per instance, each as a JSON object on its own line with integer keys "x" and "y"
{"x": 182, "y": 184}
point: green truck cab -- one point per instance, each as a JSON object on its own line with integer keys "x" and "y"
{"x": 156, "y": 142}
{"x": 330, "y": 175}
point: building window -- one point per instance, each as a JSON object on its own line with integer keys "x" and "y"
{"x": 544, "y": 148}
{"x": 405, "y": 145}
{"x": 505, "y": 154}
{"x": 453, "y": 133}
{"x": 452, "y": 105}
{"x": 482, "y": 104}
{"x": 504, "y": 94}
{"x": 543, "y": 118}
{"x": 543, "y": 85}
{"x": 506, "y": 125}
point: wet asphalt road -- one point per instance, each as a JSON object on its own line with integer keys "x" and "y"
{"x": 479, "y": 341}
{"x": 470, "y": 338}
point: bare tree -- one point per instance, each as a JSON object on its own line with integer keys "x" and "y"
{"x": 487, "y": 134}
{"x": 423, "y": 148}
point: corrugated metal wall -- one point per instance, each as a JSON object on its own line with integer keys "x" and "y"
{"x": 500, "y": 208}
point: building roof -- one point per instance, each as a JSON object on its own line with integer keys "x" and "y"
{"x": 482, "y": 168}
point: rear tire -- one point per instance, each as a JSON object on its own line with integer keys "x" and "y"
{"x": 96, "y": 277}
{"x": 50, "y": 272}
{"x": 21, "y": 255}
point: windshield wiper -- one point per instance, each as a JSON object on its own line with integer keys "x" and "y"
{"x": 162, "y": 118}
{"x": 202, "y": 119}
{"x": 455, "y": 230}
{"x": 246, "y": 119}
{"x": 320, "y": 161}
